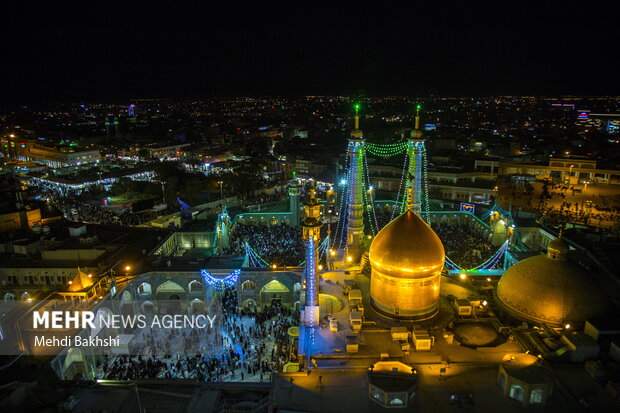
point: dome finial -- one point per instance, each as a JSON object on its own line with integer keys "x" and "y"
{"x": 356, "y": 132}
{"x": 416, "y": 132}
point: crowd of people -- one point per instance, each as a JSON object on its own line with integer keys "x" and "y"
{"x": 276, "y": 244}
{"x": 464, "y": 247}
{"x": 85, "y": 205}
{"x": 559, "y": 203}
{"x": 252, "y": 347}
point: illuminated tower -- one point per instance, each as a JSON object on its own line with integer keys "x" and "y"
{"x": 311, "y": 235}
{"x": 293, "y": 192}
{"x": 417, "y": 185}
{"x": 355, "y": 192}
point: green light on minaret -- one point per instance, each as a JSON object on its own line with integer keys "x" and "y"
{"x": 357, "y": 107}
{"x": 418, "y": 107}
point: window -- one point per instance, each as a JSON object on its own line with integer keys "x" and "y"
{"x": 397, "y": 399}
{"x": 516, "y": 392}
{"x": 536, "y": 397}
{"x": 377, "y": 394}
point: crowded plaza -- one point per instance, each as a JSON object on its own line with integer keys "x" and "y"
{"x": 591, "y": 205}
{"x": 277, "y": 244}
{"x": 88, "y": 203}
{"x": 464, "y": 247}
{"x": 243, "y": 347}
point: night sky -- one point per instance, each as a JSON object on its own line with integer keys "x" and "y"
{"x": 118, "y": 52}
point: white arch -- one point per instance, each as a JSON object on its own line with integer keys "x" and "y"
{"x": 195, "y": 286}
{"x": 126, "y": 298}
{"x": 145, "y": 289}
{"x": 147, "y": 306}
{"x": 9, "y": 297}
{"x": 196, "y": 306}
{"x": 248, "y": 285}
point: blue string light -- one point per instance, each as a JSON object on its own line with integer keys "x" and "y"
{"x": 221, "y": 283}
{"x": 257, "y": 258}
{"x": 343, "y": 206}
{"x": 491, "y": 262}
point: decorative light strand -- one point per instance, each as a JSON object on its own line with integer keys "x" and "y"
{"x": 386, "y": 150}
{"x": 372, "y": 217}
{"x": 488, "y": 264}
{"x": 425, "y": 198}
{"x": 343, "y": 205}
{"x": 221, "y": 283}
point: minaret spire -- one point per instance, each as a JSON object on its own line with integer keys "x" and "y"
{"x": 415, "y": 153}
{"x": 311, "y": 234}
{"x": 355, "y": 192}
{"x": 416, "y": 132}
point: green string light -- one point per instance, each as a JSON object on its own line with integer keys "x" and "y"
{"x": 386, "y": 150}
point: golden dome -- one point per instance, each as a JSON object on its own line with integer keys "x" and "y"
{"x": 545, "y": 289}
{"x": 407, "y": 247}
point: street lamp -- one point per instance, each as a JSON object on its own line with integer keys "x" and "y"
{"x": 221, "y": 183}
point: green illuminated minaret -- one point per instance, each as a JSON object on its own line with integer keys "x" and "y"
{"x": 417, "y": 187}
{"x": 355, "y": 194}
{"x": 293, "y": 192}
